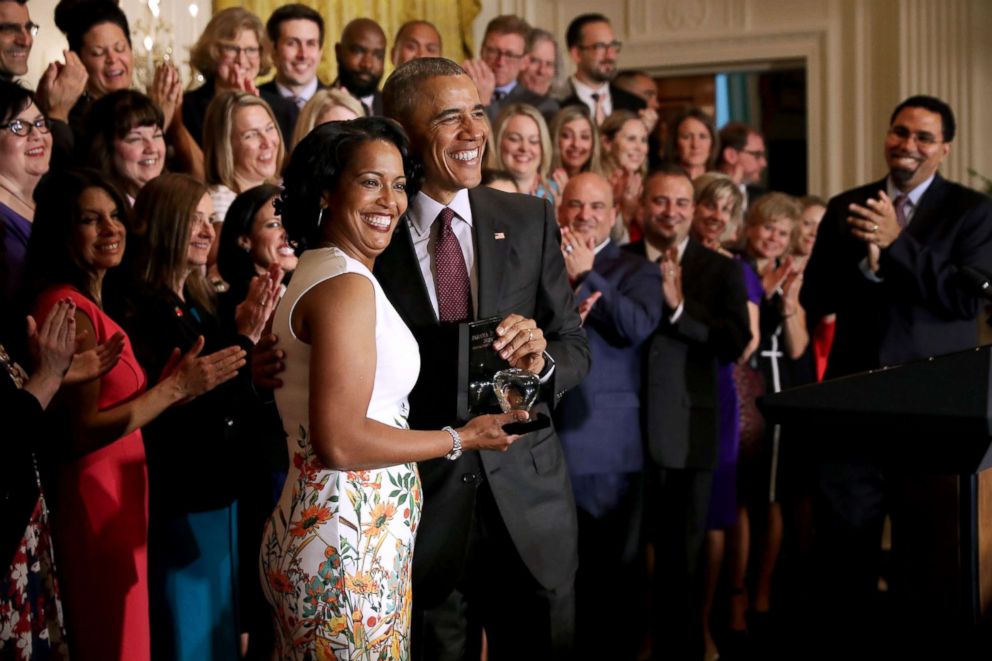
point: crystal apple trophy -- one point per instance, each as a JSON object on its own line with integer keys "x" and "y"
{"x": 516, "y": 389}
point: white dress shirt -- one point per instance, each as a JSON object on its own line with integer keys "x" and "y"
{"x": 421, "y": 214}
{"x": 505, "y": 90}
{"x": 585, "y": 92}
{"x": 653, "y": 255}
{"x": 304, "y": 95}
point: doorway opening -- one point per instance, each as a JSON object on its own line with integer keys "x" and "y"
{"x": 770, "y": 97}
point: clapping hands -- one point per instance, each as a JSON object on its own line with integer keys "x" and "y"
{"x": 252, "y": 314}
{"x": 192, "y": 375}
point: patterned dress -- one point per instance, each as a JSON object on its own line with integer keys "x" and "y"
{"x": 336, "y": 553}
{"x": 31, "y": 626}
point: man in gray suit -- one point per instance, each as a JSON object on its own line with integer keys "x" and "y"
{"x": 496, "y": 547}
{"x": 503, "y": 56}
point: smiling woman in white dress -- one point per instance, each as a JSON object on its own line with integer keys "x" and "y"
{"x": 336, "y": 553}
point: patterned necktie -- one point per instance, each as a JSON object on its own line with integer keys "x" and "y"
{"x": 454, "y": 294}
{"x": 599, "y": 112}
{"x": 900, "y": 203}
{"x": 498, "y": 96}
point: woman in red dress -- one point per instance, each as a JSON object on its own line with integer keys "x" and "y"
{"x": 100, "y": 508}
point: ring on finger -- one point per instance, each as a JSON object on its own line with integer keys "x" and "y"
{"x": 568, "y": 248}
{"x": 530, "y": 336}
{"x": 874, "y": 227}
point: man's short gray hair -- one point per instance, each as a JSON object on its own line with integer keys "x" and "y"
{"x": 399, "y": 94}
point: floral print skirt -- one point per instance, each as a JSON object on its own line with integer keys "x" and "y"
{"x": 30, "y": 611}
{"x": 336, "y": 560}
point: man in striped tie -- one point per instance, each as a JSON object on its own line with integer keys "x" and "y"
{"x": 888, "y": 261}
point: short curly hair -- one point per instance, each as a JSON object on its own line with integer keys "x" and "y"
{"x": 316, "y": 166}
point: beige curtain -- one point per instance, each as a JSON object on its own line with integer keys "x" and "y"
{"x": 453, "y": 19}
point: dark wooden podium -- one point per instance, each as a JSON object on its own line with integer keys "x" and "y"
{"x": 932, "y": 416}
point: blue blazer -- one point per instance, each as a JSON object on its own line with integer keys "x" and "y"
{"x": 599, "y": 421}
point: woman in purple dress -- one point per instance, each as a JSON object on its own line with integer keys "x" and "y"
{"x": 716, "y": 221}
{"x": 25, "y": 150}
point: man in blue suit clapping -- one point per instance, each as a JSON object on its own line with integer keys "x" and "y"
{"x": 599, "y": 422}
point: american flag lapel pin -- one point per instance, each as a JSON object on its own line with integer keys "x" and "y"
{"x": 499, "y": 236}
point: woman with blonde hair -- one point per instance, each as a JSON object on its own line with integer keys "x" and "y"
{"x": 522, "y": 147}
{"x": 784, "y": 338}
{"x": 719, "y": 211}
{"x": 716, "y": 223}
{"x": 574, "y": 144}
{"x": 625, "y": 162}
{"x": 326, "y": 105}
{"x": 229, "y": 56}
{"x": 244, "y": 150}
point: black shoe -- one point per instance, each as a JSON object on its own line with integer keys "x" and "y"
{"x": 734, "y": 645}
{"x": 759, "y": 627}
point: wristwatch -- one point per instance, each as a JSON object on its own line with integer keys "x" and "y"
{"x": 456, "y": 444}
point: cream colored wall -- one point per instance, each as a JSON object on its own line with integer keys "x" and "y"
{"x": 862, "y": 57}
{"x": 49, "y": 43}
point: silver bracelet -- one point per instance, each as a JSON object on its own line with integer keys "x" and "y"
{"x": 456, "y": 444}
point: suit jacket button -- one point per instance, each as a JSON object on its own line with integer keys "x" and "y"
{"x": 229, "y": 422}
{"x": 469, "y": 478}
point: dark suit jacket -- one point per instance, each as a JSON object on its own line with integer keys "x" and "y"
{"x": 622, "y": 99}
{"x": 287, "y": 118}
{"x": 754, "y": 193}
{"x": 546, "y": 105}
{"x": 681, "y": 398}
{"x": 24, "y": 426}
{"x": 922, "y": 307}
{"x": 522, "y": 273}
{"x": 195, "y": 105}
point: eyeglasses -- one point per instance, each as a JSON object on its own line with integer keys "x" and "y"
{"x": 542, "y": 64}
{"x": 924, "y": 138}
{"x": 22, "y": 127}
{"x": 758, "y": 154}
{"x": 14, "y": 29}
{"x": 489, "y": 52}
{"x": 601, "y": 47}
{"x": 233, "y": 51}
